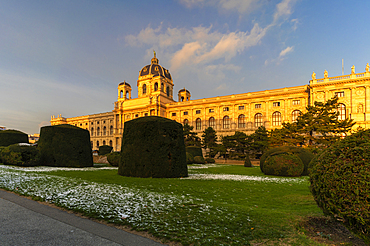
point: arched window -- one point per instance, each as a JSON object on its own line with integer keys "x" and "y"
{"x": 182, "y": 99}
{"x": 162, "y": 87}
{"x": 103, "y": 142}
{"x": 98, "y": 131}
{"x": 276, "y": 118}
{"x": 121, "y": 94}
{"x": 92, "y": 131}
{"x": 144, "y": 89}
{"x": 342, "y": 111}
{"x": 295, "y": 115}
{"x": 97, "y": 144}
{"x": 212, "y": 122}
{"x": 110, "y": 143}
{"x": 241, "y": 121}
{"x": 168, "y": 91}
{"x": 258, "y": 120}
{"x": 186, "y": 121}
{"x": 104, "y": 131}
{"x": 111, "y": 130}
{"x": 127, "y": 95}
{"x": 155, "y": 86}
{"x": 226, "y": 122}
{"x": 198, "y": 124}
{"x": 92, "y": 144}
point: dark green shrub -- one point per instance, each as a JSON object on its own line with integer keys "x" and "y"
{"x": 113, "y": 158}
{"x": 283, "y": 164}
{"x": 210, "y": 160}
{"x": 194, "y": 151}
{"x": 9, "y": 137}
{"x": 189, "y": 158}
{"x": 65, "y": 146}
{"x": 340, "y": 182}
{"x": 20, "y": 155}
{"x": 153, "y": 147}
{"x": 247, "y": 162}
{"x": 199, "y": 160}
{"x": 304, "y": 154}
{"x": 105, "y": 149}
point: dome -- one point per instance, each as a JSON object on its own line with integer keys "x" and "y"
{"x": 155, "y": 69}
{"x": 124, "y": 83}
{"x": 184, "y": 90}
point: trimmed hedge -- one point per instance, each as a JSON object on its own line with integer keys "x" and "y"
{"x": 199, "y": 160}
{"x": 9, "y": 137}
{"x": 65, "y": 146}
{"x": 153, "y": 147}
{"x": 340, "y": 182}
{"x": 189, "y": 158}
{"x": 194, "y": 151}
{"x": 113, "y": 158}
{"x": 247, "y": 162}
{"x": 210, "y": 160}
{"x": 105, "y": 149}
{"x": 283, "y": 164}
{"x": 304, "y": 154}
{"x": 26, "y": 156}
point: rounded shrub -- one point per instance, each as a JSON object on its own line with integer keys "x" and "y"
{"x": 17, "y": 155}
{"x": 340, "y": 182}
{"x": 189, "y": 158}
{"x": 113, "y": 158}
{"x": 194, "y": 151}
{"x": 199, "y": 160}
{"x": 65, "y": 146}
{"x": 247, "y": 162}
{"x": 105, "y": 149}
{"x": 283, "y": 164}
{"x": 210, "y": 160}
{"x": 304, "y": 154}
{"x": 9, "y": 137}
{"x": 153, "y": 147}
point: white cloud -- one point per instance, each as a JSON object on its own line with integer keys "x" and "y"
{"x": 281, "y": 56}
{"x": 241, "y": 6}
{"x": 286, "y": 51}
{"x": 284, "y": 9}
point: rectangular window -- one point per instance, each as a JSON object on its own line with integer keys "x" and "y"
{"x": 173, "y": 114}
{"x": 257, "y": 106}
{"x": 226, "y": 108}
{"x": 186, "y": 113}
{"x": 296, "y": 102}
{"x": 339, "y": 94}
{"x": 276, "y": 104}
{"x": 197, "y": 112}
{"x": 241, "y": 107}
{"x": 211, "y": 110}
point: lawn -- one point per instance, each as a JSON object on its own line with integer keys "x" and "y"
{"x": 215, "y": 205}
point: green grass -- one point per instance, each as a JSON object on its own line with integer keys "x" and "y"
{"x": 218, "y": 212}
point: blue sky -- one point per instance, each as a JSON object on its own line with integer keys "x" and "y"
{"x": 67, "y": 57}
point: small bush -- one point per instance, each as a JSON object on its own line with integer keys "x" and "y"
{"x": 247, "y": 162}
{"x": 189, "y": 158}
{"x": 199, "y": 160}
{"x": 340, "y": 182}
{"x": 283, "y": 164}
{"x": 25, "y": 156}
{"x": 105, "y": 149}
{"x": 210, "y": 160}
{"x": 113, "y": 158}
{"x": 304, "y": 154}
{"x": 194, "y": 151}
{"x": 9, "y": 137}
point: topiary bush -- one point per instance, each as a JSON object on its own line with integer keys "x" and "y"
{"x": 199, "y": 160}
{"x": 210, "y": 160}
{"x": 113, "y": 158}
{"x": 304, "y": 154}
{"x": 189, "y": 158}
{"x": 194, "y": 151}
{"x": 153, "y": 147}
{"x": 247, "y": 162}
{"x": 9, "y": 137}
{"x": 283, "y": 164}
{"x": 65, "y": 146}
{"x": 17, "y": 155}
{"x": 105, "y": 149}
{"x": 340, "y": 182}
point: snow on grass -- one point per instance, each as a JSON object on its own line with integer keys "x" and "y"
{"x": 51, "y": 169}
{"x": 236, "y": 177}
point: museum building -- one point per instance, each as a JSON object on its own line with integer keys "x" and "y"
{"x": 225, "y": 114}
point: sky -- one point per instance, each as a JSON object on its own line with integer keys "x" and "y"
{"x": 68, "y": 57}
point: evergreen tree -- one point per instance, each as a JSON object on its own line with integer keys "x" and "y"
{"x": 190, "y": 137}
{"x": 210, "y": 141}
{"x": 258, "y": 141}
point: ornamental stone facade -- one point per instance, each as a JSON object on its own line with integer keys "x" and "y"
{"x": 226, "y": 114}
